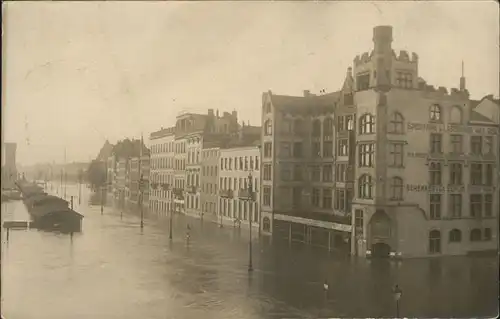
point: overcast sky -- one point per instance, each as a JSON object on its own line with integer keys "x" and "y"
{"x": 79, "y": 73}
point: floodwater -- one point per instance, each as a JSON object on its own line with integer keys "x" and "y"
{"x": 116, "y": 270}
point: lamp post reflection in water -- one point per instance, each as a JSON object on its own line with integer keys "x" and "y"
{"x": 397, "y": 296}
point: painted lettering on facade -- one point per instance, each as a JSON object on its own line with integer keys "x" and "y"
{"x": 450, "y": 128}
{"x": 448, "y": 189}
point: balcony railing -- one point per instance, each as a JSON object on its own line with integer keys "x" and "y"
{"x": 245, "y": 194}
{"x": 192, "y": 189}
{"x": 226, "y": 193}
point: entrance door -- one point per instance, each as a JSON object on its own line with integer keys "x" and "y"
{"x": 381, "y": 250}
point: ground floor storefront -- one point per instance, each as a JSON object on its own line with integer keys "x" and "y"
{"x": 312, "y": 233}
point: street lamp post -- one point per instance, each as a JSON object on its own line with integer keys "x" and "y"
{"x": 80, "y": 176}
{"x": 250, "y": 199}
{"x": 171, "y": 212}
{"x": 141, "y": 194}
{"x": 397, "y": 296}
{"x": 102, "y": 200}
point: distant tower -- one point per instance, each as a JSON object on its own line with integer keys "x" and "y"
{"x": 462, "y": 79}
{"x": 382, "y": 56}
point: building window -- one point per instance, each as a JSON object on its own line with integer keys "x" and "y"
{"x": 266, "y": 196}
{"x": 297, "y": 173}
{"x": 435, "y": 113}
{"x": 358, "y": 220}
{"x": 268, "y": 107}
{"x": 455, "y": 205}
{"x": 268, "y": 149}
{"x": 327, "y": 148}
{"x": 340, "y": 123}
{"x": 267, "y": 172}
{"x": 457, "y": 144}
{"x": 436, "y": 143}
{"x": 315, "y": 197}
{"x": 488, "y": 174}
{"x": 396, "y": 123}
{"x": 397, "y": 188}
{"x": 297, "y": 149}
{"x": 366, "y": 155}
{"x": 476, "y": 205}
{"x": 285, "y": 149}
{"x": 367, "y": 124}
{"x": 328, "y": 127}
{"x": 487, "y": 234}
{"x": 435, "y": 242}
{"x": 435, "y": 206}
{"x": 404, "y": 80}
{"x": 363, "y": 81}
{"x": 475, "y": 234}
{"x": 435, "y": 173}
{"x": 488, "y": 145}
{"x": 297, "y": 197}
{"x": 342, "y": 147}
{"x": 341, "y": 172}
{"x": 327, "y": 173}
{"x": 316, "y": 149}
{"x": 488, "y": 205}
{"x": 298, "y": 127}
{"x": 287, "y": 126}
{"x": 476, "y": 145}
{"x": 365, "y": 187}
{"x": 476, "y": 174}
{"x": 268, "y": 127}
{"x": 396, "y": 154}
{"x": 456, "y": 174}
{"x": 455, "y": 236}
{"x": 315, "y": 173}
{"x": 327, "y": 198}
{"x": 316, "y": 128}
{"x": 340, "y": 199}
{"x": 286, "y": 172}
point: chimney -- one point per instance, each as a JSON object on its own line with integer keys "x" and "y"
{"x": 217, "y": 113}
{"x": 349, "y": 72}
{"x": 234, "y": 114}
{"x": 307, "y": 93}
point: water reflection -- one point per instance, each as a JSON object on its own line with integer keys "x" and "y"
{"x": 116, "y": 270}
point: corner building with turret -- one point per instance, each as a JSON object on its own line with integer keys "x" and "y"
{"x": 426, "y": 176}
{"x": 387, "y": 165}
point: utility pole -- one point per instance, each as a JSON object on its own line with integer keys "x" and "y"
{"x": 171, "y": 211}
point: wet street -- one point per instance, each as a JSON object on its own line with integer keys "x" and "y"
{"x": 116, "y": 270}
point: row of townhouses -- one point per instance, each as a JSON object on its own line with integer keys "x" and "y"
{"x": 386, "y": 165}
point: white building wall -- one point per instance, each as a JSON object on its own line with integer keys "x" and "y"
{"x": 161, "y": 172}
{"x": 235, "y": 165}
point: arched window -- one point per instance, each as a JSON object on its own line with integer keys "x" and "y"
{"x": 435, "y": 242}
{"x": 397, "y": 188}
{"x": 268, "y": 127}
{"x": 456, "y": 115}
{"x": 396, "y": 123}
{"x": 435, "y": 113}
{"x": 328, "y": 127}
{"x": 475, "y": 234}
{"x": 455, "y": 236}
{"x": 365, "y": 187}
{"x": 316, "y": 128}
{"x": 298, "y": 127}
{"x": 266, "y": 224}
{"x": 367, "y": 124}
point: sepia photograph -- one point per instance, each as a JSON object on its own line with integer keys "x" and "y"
{"x": 250, "y": 159}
